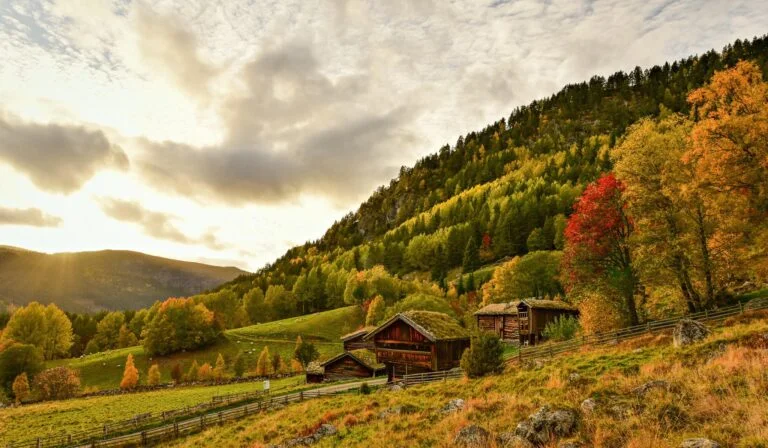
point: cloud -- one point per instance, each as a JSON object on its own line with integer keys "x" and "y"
{"x": 294, "y": 130}
{"x": 57, "y": 158}
{"x": 167, "y": 45}
{"x": 155, "y": 224}
{"x": 28, "y": 217}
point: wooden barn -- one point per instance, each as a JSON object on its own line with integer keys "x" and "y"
{"x": 355, "y": 340}
{"x": 360, "y": 363}
{"x": 419, "y": 341}
{"x": 501, "y": 319}
{"x": 315, "y": 372}
{"x": 535, "y": 314}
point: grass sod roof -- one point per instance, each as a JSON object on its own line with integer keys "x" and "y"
{"x": 498, "y": 309}
{"x": 435, "y": 326}
{"x": 315, "y": 368}
{"x": 543, "y": 304}
{"x": 357, "y": 333}
{"x": 363, "y": 356}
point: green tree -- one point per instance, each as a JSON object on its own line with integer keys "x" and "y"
{"x": 536, "y": 240}
{"x": 306, "y": 353}
{"x": 179, "y": 324}
{"x": 108, "y": 330}
{"x": 484, "y": 356}
{"x": 192, "y": 373}
{"x": 239, "y": 367}
{"x": 46, "y": 327}
{"x": 220, "y": 369}
{"x": 253, "y": 303}
{"x": 153, "y": 376}
{"x": 17, "y": 359}
{"x": 471, "y": 259}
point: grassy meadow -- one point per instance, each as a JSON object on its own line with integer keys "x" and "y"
{"x": 57, "y": 417}
{"x": 717, "y": 389}
{"x": 104, "y": 370}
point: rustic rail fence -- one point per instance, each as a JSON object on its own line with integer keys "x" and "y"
{"x": 715, "y": 315}
{"x": 429, "y": 377}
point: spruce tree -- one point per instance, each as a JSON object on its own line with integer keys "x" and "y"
{"x": 471, "y": 256}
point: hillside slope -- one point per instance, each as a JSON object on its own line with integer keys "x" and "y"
{"x": 642, "y": 393}
{"x": 109, "y": 279}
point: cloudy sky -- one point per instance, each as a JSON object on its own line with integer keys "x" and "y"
{"x": 228, "y": 131}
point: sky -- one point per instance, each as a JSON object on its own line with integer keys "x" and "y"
{"x": 227, "y": 132}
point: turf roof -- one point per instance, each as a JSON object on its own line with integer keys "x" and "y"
{"x": 549, "y": 304}
{"x": 435, "y": 326}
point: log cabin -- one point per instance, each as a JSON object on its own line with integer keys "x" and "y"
{"x": 360, "y": 363}
{"x": 535, "y": 314}
{"x": 355, "y": 340}
{"x": 314, "y": 372}
{"x": 419, "y": 341}
{"x": 500, "y": 319}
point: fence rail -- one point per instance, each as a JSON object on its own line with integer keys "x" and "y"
{"x": 428, "y": 377}
{"x": 550, "y": 350}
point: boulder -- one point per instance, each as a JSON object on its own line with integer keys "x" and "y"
{"x": 323, "y": 431}
{"x": 588, "y": 406}
{"x": 574, "y": 378}
{"x": 545, "y": 424}
{"x": 472, "y": 436}
{"x": 699, "y": 443}
{"x": 643, "y": 389}
{"x": 510, "y": 440}
{"x": 688, "y": 331}
{"x": 454, "y": 405}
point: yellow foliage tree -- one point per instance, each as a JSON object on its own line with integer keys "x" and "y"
{"x": 296, "y": 366}
{"x": 21, "y": 387}
{"x": 219, "y": 370}
{"x": 130, "y": 375}
{"x": 192, "y": 372}
{"x": 153, "y": 376}
{"x": 264, "y": 365}
{"x": 598, "y": 313}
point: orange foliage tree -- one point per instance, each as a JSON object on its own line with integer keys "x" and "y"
{"x": 130, "y": 374}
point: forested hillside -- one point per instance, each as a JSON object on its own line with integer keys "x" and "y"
{"x": 501, "y": 192}
{"x": 91, "y": 281}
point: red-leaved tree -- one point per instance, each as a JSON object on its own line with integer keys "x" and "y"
{"x": 597, "y": 254}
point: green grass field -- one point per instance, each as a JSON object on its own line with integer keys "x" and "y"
{"x": 79, "y": 414}
{"x": 104, "y": 370}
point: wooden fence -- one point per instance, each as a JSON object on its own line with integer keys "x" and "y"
{"x": 429, "y": 377}
{"x": 550, "y": 350}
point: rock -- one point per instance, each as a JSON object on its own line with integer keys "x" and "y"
{"x": 397, "y": 410}
{"x": 588, "y": 406}
{"x": 454, "y": 405}
{"x": 472, "y": 436}
{"x": 510, "y": 440}
{"x": 688, "y": 331}
{"x": 574, "y": 377}
{"x": 324, "y": 430}
{"x": 545, "y": 424}
{"x": 699, "y": 443}
{"x": 568, "y": 445}
{"x": 641, "y": 390}
{"x": 395, "y": 388}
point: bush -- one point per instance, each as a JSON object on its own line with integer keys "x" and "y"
{"x": 153, "y": 376}
{"x": 21, "y": 388}
{"x": 239, "y": 366}
{"x": 484, "y": 356}
{"x": 57, "y": 383}
{"x": 176, "y": 374}
{"x": 563, "y": 328}
{"x": 365, "y": 389}
{"x": 205, "y": 373}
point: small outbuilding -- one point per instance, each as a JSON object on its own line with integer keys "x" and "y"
{"x": 535, "y": 314}
{"x": 355, "y": 340}
{"x": 360, "y": 363}
{"x": 419, "y": 341}
{"x": 500, "y": 319}
{"x": 315, "y": 372}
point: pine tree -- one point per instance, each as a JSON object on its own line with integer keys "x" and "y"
{"x": 153, "y": 376}
{"x": 21, "y": 387}
{"x": 192, "y": 372}
{"x": 219, "y": 370}
{"x": 471, "y": 257}
{"x": 239, "y": 366}
{"x": 130, "y": 374}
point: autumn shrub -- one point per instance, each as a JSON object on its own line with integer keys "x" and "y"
{"x": 205, "y": 373}
{"x": 21, "y": 388}
{"x": 16, "y": 359}
{"x": 563, "y": 328}
{"x": 176, "y": 374}
{"x": 57, "y": 383}
{"x": 192, "y": 372}
{"x": 153, "y": 376}
{"x": 598, "y": 313}
{"x": 365, "y": 389}
{"x": 484, "y": 356}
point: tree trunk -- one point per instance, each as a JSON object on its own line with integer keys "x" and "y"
{"x": 706, "y": 259}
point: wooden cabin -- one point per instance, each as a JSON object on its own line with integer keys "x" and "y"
{"x": 314, "y": 372}
{"x": 535, "y": 314}
{"x": 500, "y": 319}
{"x": 419, "y": 341}
{"x": 356, "y": 341}
{"x": 360, "y": 363}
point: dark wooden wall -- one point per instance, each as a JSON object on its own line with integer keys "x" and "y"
{"x": 346, "y": 367}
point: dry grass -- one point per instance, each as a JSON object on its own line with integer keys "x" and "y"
{"x": 717, "y": 389}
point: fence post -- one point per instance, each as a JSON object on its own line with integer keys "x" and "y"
{"x": 551, "y": 355}
{"x": 202, "y": 422}
{"x": 38, "y": 442}
{"x": 741, "y": 308}
{"x": 143, "y": 438}
{"x": 301, "y": 396}
{"x": 648, "y": 326}
{"x": 176, "y": 429}
{"x": 706, "y": 314}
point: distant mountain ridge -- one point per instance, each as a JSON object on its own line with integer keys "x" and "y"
{"x": 107, "y": 279}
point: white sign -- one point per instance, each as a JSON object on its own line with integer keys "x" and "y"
{"x": 266, "y": 384}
